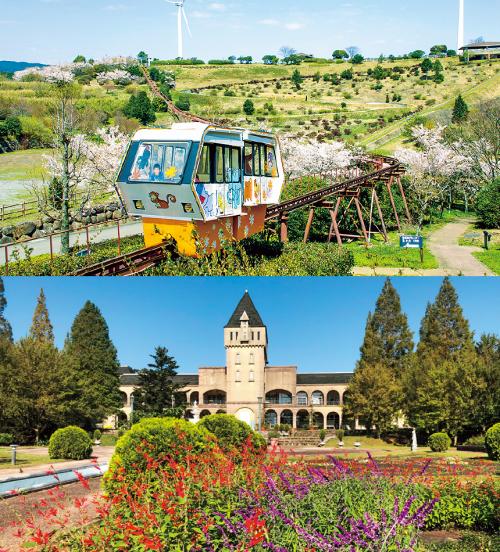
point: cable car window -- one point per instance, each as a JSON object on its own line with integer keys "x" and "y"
{"x": 263, "y": 161}
{"x": 203, "y": 175}
{"x": 219, "y": 164}
{"x": 232, "y": 165}
{"x": 271, "y": 165}
{"x": 248, "y": 159}
{"x": 159, "y": 163}
{"x": 256, "y": 160}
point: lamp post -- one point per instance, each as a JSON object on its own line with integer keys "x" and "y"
{"x": 13, "y": 449}
{"x": 259, "y": 414}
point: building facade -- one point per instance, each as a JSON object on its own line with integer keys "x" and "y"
{"x": 250, "y": 388}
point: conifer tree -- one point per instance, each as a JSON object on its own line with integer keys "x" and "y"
{"x": 440, "y": 386}
{"x": 96, "y": 365}
{"x": 460, "y": 110}
{"x": 158, "y": 394}
{"x": 487, "y": 395}
{"x": 375, "y": 392}
{"x": 41, "y": 327}
{"x": 5, "y": 327}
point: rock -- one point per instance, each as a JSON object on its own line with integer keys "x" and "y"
{"x": 93, "y": 219}
{"x": 109, "y": 215}
{"x": 117, "y": 215}
{"x": 57, "y": 225}
{"x": 6, "y": 239}
{"x": 24, "y": 229}
{"x": 101, "y": 217}
{"x": 78, "y": 217}
{"x": 8, "y": 231}
{"x": 38, "y": 234}
{"x": 113, "y": 207}
{"x": 39, "y": 224}
{"x": 48, "y": 219}
{"x": 86, "y": 220}
{"x": 48, "y": 228}
{"x": 76, "y": 226}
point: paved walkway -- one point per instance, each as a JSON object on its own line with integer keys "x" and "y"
{"x": 453, "y": 259}
{"x": 97, "y": 234}
{"x": 101, "y": 454}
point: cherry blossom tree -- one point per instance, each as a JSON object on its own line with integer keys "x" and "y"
{"x": 315, "y": 158}
{"x": 433, "y": 170}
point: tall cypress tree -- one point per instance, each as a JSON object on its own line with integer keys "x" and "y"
{"x": 440, "y": 387}
{"x": 41, "y": 327}
{"x": 460, "y": 110}
{"x": 487, "y": 395}
{"x": 5, "y": 327}
{"x": 375, "y": 393}
{"x": 158, "y": 394}
{"x": 96, "y": 365}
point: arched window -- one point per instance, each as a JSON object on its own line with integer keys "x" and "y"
{"x": 302, "y": 419}
{"x": 214, "y": 397}
{"x": 271, "y": 418}
{"x": 333, "y": 421}
{"x": 286, "y": 418}
{"x": 302, "y": 399}
{"x": 333, "y": 398}
{"x": 317, "y": 398}
{"x": 279, "y": 396}
{"x": 318, "y": 420}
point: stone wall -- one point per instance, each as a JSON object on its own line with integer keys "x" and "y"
{"x": 47, "y": 224}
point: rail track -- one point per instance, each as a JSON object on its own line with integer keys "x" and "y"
{"x": 139, "y": 261}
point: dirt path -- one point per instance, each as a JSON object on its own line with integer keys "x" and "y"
{"x": 454, "y": 258}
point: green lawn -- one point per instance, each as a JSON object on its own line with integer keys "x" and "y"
{"x": 380, "y": 448}
{"x": 490, "y": 258}
{"x": 22, "y": 165}
{"x": 24, "y": 459}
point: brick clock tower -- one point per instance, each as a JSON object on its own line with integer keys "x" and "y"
{"x": 245, "y": 341}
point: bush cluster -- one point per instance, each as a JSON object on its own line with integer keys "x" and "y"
{"x": 487, "y": 202}
{"x": 492, "y": 442}
{"x": 6, "y": 439}
{"x": 70, "y": 443}
{"x": 439, "y": 442}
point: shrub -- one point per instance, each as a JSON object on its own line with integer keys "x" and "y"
{"x": 322, "y": 435}
{"x": 488, "y": 200}
{"x": 439, "y": 442}
{"x": 70, "y": 443}
{"x": 340, "y": 434}
{"x": 475, "y": 441}
{"x": 97, "y": 435}
{"x": 248, "y": 107}
{"x": 231, "y": 433}
{"x": 492, "y": 442}
{"x": 6, "y": 439}
{"x": 149, "y": 443}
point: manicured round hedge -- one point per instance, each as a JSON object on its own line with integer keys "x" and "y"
{"x": 439, "y": 442}
{"x": 150, "y": 443}
{"x": 492, "y": 442}
{"x": 70, "y": 443}
{"x": 231, "y": 433}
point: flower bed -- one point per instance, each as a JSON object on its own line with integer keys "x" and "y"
{"x": 249, "y": 499}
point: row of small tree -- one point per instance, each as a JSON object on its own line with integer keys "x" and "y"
{"x": 448, "y": 382}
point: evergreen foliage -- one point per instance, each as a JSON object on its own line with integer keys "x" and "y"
{"x": 487, "y": 395}
{"x": 375, "y": 392}
{"x": 5, "y": 327}
{"x": 96, "y": 365}
{"x": 460, "y": 110}
{"x": 487, "y": 205}
{"x": 441, "y": 384}
{"x": 41, "y": 327}
{"x": 492, "y": 442}
{"x": 140, "y": 107}
{"x": 439, "y": 442}
{"x": 70, "y": 443}
{"x": 158, "y": 394}
{"x": 248, "y": 107}
{"x": 297, "y": 79}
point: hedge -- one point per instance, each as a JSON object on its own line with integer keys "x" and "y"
{"x": 70, "y": 443}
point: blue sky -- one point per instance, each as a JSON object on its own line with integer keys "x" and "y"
{"x": 315, "y": 323}
{"x": 53, "y": 31}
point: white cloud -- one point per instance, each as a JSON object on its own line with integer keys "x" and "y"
{"x": 217, "y": 6}
{"x": 270, "y": 22}
{"x": 294, "y": 26}
{"x": 116, "y": 7}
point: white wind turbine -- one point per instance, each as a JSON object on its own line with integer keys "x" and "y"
{"x": 461, "y": 25}
{"x": 181, "y": 14}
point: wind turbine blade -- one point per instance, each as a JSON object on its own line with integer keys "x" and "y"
{"x": 187, "y": 22}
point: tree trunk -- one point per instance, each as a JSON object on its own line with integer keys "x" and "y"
{"x": 65, "y": 198}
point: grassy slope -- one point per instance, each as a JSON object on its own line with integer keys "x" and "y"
{"x": 21, "y": 165}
